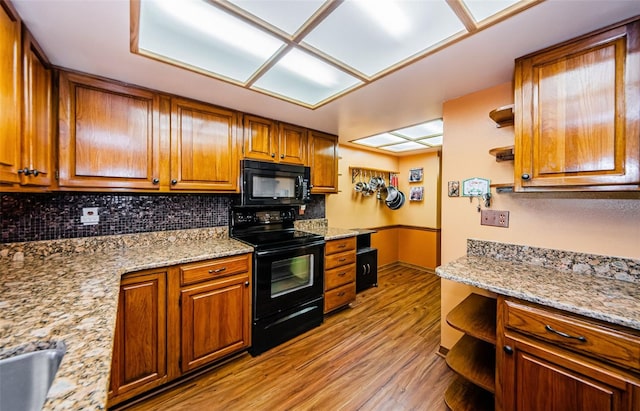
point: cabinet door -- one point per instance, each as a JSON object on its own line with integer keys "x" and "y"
{"x": 323, "y": 159}
{"x": 292, "y": 144}
{"x": 139, "y": 350}
{"x": 541, "y": 377}
{"x": 109, "y": 135}
{"x": 10, "y": 93}
{"x": 37, "y": 147}
{"x": 260, "y": 141}
{"x": 204, "y": 154}
{"x": 216, "y": 319}
{"x": 577, "y": 112}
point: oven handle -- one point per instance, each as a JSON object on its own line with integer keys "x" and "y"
{"x": 266, "y": 253}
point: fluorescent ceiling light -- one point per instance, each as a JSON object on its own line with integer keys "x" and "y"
{"x": 409, "y": 145}
{"x": 433, "y": 141}
{"x": 482, "y": 9}
{"x": 379, "y": 140}
{"x": 388, "y": 15}
{"x": 308, "y": 52}
{"x": 430, "y": 128}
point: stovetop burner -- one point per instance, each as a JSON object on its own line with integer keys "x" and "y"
{"x": 268, "y": 228}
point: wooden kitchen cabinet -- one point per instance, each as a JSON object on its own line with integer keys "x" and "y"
{"x": 109, "y": 135}
{"x": 215, "y": 310}
{"x": 323, "y": 159}
{"x": 139, "y": 349}
{"x": 38, "y": 165}
{"x": 204, "y": 147}
{"x": 339, "y": 273}
{"x": 268, "y": 140}
{"x": 10, "y": 93}
{"x": 577, "y": 109}
{"x": 550, "y": 360}
{"x": 473, "y": 356}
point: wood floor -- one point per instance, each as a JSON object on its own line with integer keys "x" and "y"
{"x": 380, "y": 354}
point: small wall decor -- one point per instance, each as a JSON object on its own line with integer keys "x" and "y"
{"x": 416, "y": 193}
{"x": 475, "y": 187}
{"x": 454, "y": 188}
{"x": 415, "y": 175}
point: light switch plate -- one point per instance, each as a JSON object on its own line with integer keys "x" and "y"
{"x": 495, "y": 218}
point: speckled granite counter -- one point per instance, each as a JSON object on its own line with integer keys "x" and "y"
{"x": 600, "y": 287}
{"x": 320, "y": 227}
{"x": 67, "y": 290}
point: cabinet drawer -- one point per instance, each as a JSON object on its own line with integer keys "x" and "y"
{"x": 337, "y": 260}
{"x": 338, "y": 246}
{"x": 339, "y": 276}
{"x": 207, "y": 270}
{"x": 575, "y": 334}
{"x": 339, "y": 296}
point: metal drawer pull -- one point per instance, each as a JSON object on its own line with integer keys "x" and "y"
{"x": 342, "y": 274}
{"x": 340, "y": 294}
{"x": 342, "y": 259}
{"x": 219, "y": 270}
{"x": 565, "y": 335}
{"x": 342, "y": 246}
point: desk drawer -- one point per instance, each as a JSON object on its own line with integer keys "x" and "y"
{"x": 340, "y": 296}
{"x": 337, "y": 260}
{"x": 576, "y": 334}
{"x": 338, "y": 246}
{"x": 339, "y": 276}
{"x": 211, "y": 269}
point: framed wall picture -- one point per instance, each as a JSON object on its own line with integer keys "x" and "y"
{"x": 454, "y": 189}
{"x": 415, "y": 175}
{"x": 416, "y": 193}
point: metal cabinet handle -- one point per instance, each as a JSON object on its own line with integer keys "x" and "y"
{"x": 341, "y": 293}
{"x": 246, "y": 283}
{"x": 364, "y": 269}
{"x": 155, "y": 181}
{"x": 342, "y": 274}
{"x": 281, "y": 155}
{"x": 342, "y": 246}
{"x": 273, "y": 155}
{"x": 565, "y": 335}
{"x": 174, "y": 182}
{"x": 507, "y": 349}
{"x": 35, "y": 172}
{"x": 24, "y": 171}
{"x": 526, "y": 176}
{"x": 219, "y": 270}
{"x": 368, "y": 269}
{"x": 342, "y": 259}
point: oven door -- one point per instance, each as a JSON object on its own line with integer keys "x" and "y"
{"x": 287, "y": 277}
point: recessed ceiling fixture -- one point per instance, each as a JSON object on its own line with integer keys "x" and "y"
{"x": 421, "y": 136}
{"x": 306, "y": 52}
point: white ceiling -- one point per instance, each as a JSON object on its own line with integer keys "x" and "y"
{"x": 93, "y": 36}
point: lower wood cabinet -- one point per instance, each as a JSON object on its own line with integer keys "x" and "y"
{"x": 174, "y": 320}
{"x": 215, "y": 318}
{"x": 549, "y": 360}
{"x": 139, "y": 349}
{"x": 340, "y": 273}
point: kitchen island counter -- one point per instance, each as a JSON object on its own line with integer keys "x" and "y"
{"x": 67, "y": 291}
{"x": 589, "y": 285}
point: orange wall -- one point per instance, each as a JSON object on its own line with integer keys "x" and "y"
{"x": 349, "y": 209}
{"x": 598, "y": 226}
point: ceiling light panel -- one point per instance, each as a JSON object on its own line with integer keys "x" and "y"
{"x": 481, "y": 9}
{"x": 304, "y": 78}
{"x": 286, "y": 15}
{"x": 408, "y": 146}
{"x": 429, "y": 128}
{"x": 379, "y": 140}
{"x": 434, "y": 141}
{"x": 195, "y": 34}
{"x": 373, "y": 35}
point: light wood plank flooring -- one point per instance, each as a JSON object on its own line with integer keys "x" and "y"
{"x": 380, "y": 354}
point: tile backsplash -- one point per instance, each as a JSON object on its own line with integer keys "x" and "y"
{"x": 52, "y": 216}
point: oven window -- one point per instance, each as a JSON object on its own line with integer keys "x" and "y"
{"x": 291, "y": 274}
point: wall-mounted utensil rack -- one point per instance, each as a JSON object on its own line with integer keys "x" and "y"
{"x": 358, "y": 172}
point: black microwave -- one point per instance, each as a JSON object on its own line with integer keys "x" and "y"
{"x": 274, "y": 184}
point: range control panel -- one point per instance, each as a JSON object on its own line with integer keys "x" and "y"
{"x": 248, "y": 217}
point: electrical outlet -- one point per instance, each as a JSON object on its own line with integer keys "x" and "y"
{"x": 90, "y": 216}
{"x": 495, "y": 218}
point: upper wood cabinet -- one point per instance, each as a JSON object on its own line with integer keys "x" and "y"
{"x": 10, "y": 93}
{"x": 268, "y": 140}
{"x": 38, "y": 166}
{"x": 108, "y": 135}
{"x": 577, "y": 109}
{"x": 204, "y": 149}
{"x": 323, "y": 159}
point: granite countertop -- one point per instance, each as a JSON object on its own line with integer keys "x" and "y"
{"x": 321, "y": 227}
{"x": 600, "y": 296}
{"x": 73, "y": 296}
